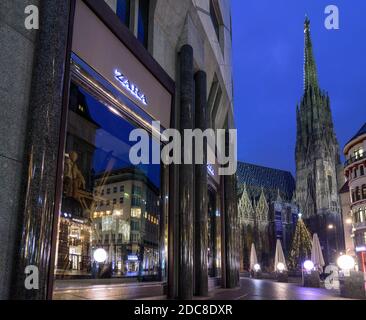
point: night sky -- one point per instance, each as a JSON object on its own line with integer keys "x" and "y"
{"x": 268, "y": 53}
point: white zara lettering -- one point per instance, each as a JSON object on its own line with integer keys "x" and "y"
{"x": 130, "y": 87}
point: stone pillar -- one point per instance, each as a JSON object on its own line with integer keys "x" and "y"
{"x": 186, "y": 181}
{"x": 42, "y": 147}
{"x": 231, "y": 228}
{"x": 201, "y": 205}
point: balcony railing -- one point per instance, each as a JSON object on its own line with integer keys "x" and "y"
{"x": 354, "y": 159}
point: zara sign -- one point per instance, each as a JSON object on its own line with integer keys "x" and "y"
{"x": 130, "y": 87}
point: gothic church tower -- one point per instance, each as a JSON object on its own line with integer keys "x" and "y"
{"x": 317, "y": 158}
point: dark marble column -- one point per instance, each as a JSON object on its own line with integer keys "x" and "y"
{"x": 201, "y": 206}
{"x": 42, "y": 147}
{"x": 186, "y": 186}
{"x": 231, "y": 229}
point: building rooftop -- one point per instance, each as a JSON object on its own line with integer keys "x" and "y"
{"x": 359, "y": 133}
{"x": 270, "y": 180}
{"x": 345, "y": 188}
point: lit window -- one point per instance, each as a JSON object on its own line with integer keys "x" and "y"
{"x": 358, "y": 153}
{"x": 118, "y": 212}
{"x": 136, "y": 212}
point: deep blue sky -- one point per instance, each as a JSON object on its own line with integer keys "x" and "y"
{"x": 268, "y": 53}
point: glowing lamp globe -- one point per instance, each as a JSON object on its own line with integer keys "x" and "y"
{"x": 308, "y": 265}
{"x": 280, "y": 267}
{"x": 100, "y": 255}
{"x": 257, "y": 267}
{"x": 346, "y": 262}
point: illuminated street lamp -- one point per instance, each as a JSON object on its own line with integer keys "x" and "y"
{"x": 280, "y": 267}
{"x": 257, "y": 267}
{"x": 330, "y": 227}
{"x": 308, "y": 265}
{"x": 346, "y": 263}
{"x": 100, "y": 255}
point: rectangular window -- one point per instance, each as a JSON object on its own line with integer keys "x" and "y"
{"x": 122, "y": 8}
{"x": 358, "y": 153}
{"x": 215, "y": 20}
{"x": 114, "y": 189}
{"x": 121, "y": 200}
{"x": 122, "y": 189}
{"x": 136, "y": 213}
{"x": 143, "y": 22}
{"x": 362, "y": 170}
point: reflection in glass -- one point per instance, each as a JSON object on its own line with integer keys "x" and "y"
{"x": 106, "y": 202}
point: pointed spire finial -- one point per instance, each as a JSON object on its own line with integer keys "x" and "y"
{"x": 310, "y": 71}
{"x": 306, "y": 23}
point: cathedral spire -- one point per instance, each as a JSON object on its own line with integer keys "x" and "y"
{"x": 310, "y": 72}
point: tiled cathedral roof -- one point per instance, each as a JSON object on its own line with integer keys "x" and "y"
{"x": 271, "y": 180}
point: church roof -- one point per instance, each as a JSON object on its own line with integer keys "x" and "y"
{"x": 271, "y": 180}
{"x": 359, "y": 133}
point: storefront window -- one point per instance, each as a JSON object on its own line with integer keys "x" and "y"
{"x": 103, "y": 198}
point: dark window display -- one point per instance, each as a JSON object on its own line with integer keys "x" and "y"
{"x": 111, "y": 215}
{"x": 214, "y": 235}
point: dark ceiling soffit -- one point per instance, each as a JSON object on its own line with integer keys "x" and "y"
{"x": 110, "y": 19}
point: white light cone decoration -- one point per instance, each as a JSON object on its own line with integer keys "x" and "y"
{"x": 279, "y": 258}
{"x": 316, "y": 253}
{"x": 253, "y": 258}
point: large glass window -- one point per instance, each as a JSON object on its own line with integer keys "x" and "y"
{"x": 97, "y": 171}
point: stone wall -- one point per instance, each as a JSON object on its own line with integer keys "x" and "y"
{"x": 16, "y": 61}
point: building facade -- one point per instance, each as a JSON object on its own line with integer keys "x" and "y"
{"x": 93, "y": 73}
{"x": 355, "y": 174}
{"x": 318, "y": 160}
{"x": 267, "y": 212}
